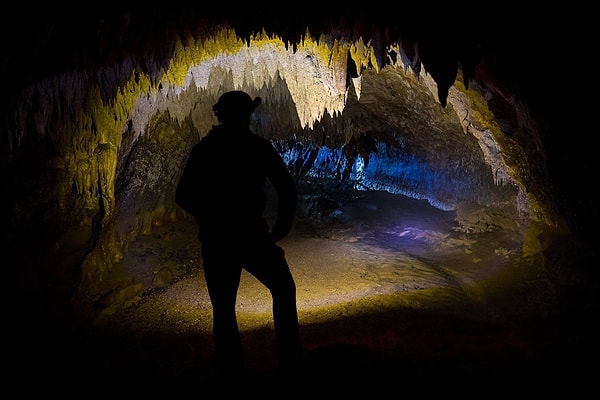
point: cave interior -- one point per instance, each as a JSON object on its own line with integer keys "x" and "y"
{"x": 449, "y": 107}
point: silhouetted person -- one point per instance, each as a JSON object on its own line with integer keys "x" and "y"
{"x": 222, "y": 186}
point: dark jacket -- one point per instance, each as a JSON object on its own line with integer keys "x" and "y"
{"x": 223, "y": 182}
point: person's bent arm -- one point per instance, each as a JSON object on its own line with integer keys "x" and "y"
{"x": 287, "y": 193}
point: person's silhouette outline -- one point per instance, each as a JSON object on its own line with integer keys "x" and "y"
{"x": 222, "y": 186}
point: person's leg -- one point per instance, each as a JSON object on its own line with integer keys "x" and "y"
{"x": 222, "y": 276}
{"x": 269, "y": 266}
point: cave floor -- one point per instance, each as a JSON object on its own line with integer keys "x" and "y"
{"x": 392, "y": 296}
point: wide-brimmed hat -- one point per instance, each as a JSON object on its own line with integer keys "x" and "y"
{"x": 236, "y": 101}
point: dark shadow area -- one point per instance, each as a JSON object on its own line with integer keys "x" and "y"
{"x": 408, "y": 353}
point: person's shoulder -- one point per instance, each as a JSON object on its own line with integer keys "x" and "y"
{"x": 211, "y": 136}
{"x": 213, "y": 132}
{"x": 260, "y": 143}
{"x": 258, "y": 138}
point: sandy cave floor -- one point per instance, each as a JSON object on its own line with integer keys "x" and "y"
{"x": 386, "y": 297}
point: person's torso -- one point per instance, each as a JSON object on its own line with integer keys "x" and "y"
{"x": 233, "y": 168}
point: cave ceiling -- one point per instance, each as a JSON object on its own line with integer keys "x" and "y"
{"x": 441, "y": 35}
